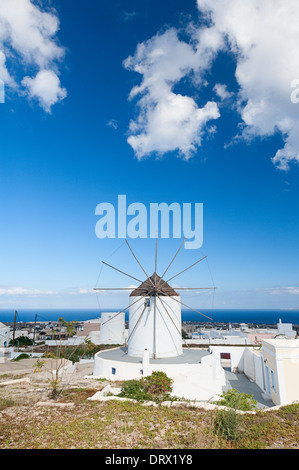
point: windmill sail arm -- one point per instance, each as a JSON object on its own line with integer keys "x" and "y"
{"x": 176, "y": 275}
{"x": 171, "y": 261}
{"x": 122, "y": 311}
{"x": 122, "y": 272}
{"x": 162, "y": 302}
{"x": 193, "y": 288}
{"x": 113, "y": 288}
{"x": 191, "y": 308}
{"x": 136, "y": 324}
{"x": 138, "y": 260}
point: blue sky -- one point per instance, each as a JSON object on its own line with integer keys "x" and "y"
{"x": 90, "y": 115}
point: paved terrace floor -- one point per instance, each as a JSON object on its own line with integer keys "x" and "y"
{"x": 188, "y": 357}
{"x": 241, "y": 383}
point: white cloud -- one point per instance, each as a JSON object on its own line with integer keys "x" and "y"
{"x": 4, "y": 75}
{"x": 112, "y": 123}
{"x": 12, "y": 291}
{"x": 168, "y": 121}
{"x": 222, "y": 92}
{"x": 27, "y": 37}
{"x": 175, "y": 122}
{"x": 84, "y": 290}
{"x": 129, "y": 15}
{"x": 284, "y": 291}
{"x": 290, "y": 290}
{"x": 262, "y": 36}
{"x": 46, "y": 88}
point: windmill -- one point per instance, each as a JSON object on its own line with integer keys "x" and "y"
{"x": 155, "y": 310}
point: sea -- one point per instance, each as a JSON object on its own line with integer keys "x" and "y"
{"x": 257, "y": 317}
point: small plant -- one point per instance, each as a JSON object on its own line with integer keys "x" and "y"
{"x": 135, "y": 390}
{"x": 20, "y": 357}
{"x": 60, "y": 357}
{"x": 6, "y": 402}
{"x": 237, "y": 400}
{"x": 157, "y": 384}
{"x": 226, "y": 424}
{"x": 155, "y": 387}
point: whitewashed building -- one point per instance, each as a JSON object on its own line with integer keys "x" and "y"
{"x": 112, "y": 329}
{"x": 155, "y": 344}
{"x": 155, "y": 321}
{"x": 281, "y": 365}
{"x": 274, "y": 366}
{"x": 4, "y": 335}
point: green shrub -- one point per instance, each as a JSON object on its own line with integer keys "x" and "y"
{"x": 5, "y": 402}
{"x": 237, "y": 400}
{"x": 155, "y": 387}
{"x": 21, "y": 341}
{"x": 157, "y": 384}
{"x": 20, "y": 357}
{"x": 226, "y": 424}
{"x": 134, "y": 389}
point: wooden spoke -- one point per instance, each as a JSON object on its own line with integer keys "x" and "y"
{"x": 155, "y": 327}
{"x": 191, "y": 308}
{"x": 135, "y": 326}
{"x": 116, "y": 269}
{"x": 192, "y": 288}
{"x": 171, "y": 262}
{"x": 186, "y": 269}
{"x": 122, "y": 311}
{"x": 139, "y": 262}
{"x": 114, "y": 288}
{"x": 180, "y": 333}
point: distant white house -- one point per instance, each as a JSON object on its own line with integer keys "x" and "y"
{"x": 4, "y": 335}
{"x": 286, "y": 329}
{"x": 242, "y": 335}
{"x": 274, "y": 366}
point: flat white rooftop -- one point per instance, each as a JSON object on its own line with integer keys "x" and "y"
{"x": 283, "y": 342}
{"x": 189, "y": 356}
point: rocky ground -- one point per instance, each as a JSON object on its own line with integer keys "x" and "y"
{"x": 31, "y": 419}
{"x": 24, "y": 383}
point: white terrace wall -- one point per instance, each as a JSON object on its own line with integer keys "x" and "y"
{"x": 236, "y": 356}
{"x": 247, "y": 360}
{"x": 200, "y": 381}
{"x": 253, "y": 366}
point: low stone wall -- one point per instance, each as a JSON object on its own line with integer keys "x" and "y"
{"x": 100, "y": 396}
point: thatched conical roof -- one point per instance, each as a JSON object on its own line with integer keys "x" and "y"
{"x": 147, "y": 287}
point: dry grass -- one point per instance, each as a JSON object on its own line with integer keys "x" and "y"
{"x": 127, "y": 425}
{"x": 110, "y": 425}
{"x": 123, "y": 425}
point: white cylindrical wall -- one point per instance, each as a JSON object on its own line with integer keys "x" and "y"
{"x": 160, "y": 335}
{"x": 4, "y": 335}
{"x": 112, "y": 331}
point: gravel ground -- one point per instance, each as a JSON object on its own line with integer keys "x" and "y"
{"x": 21, "y": 382}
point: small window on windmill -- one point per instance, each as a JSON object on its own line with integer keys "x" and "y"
{"x": 147, "y": 302}
{"x": 113, "y": 371}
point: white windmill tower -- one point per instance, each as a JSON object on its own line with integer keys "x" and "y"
{"x": 155, "y": 320}
{"x": 154, "y": 313}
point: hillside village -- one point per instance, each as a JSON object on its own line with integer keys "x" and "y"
{"x": 264, "y": 359}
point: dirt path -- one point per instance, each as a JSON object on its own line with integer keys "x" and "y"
{"x": 36, "y": 386}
